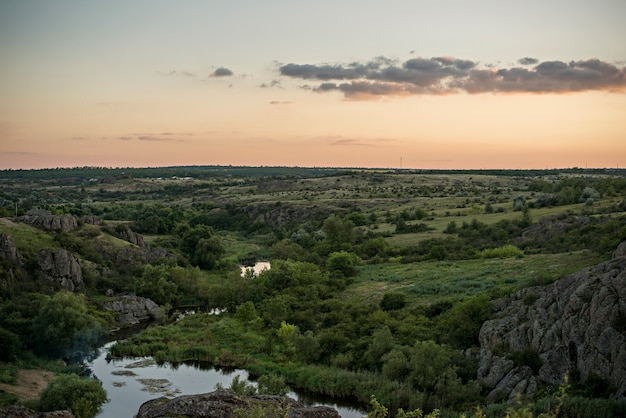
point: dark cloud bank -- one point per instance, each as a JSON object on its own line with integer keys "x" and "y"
{"x": 446, "y": 75}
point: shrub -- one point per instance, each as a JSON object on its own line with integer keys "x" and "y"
{"x": 82, "y": 396}
{"x": 393, "y": 301}
{"x": 505, "y": 251}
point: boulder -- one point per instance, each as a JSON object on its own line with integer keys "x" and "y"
{"x": 227, "y": 404}
{"x": 577, "y": 324}
{"x": 60, "y": 267}
{"x": 133, "y": 309}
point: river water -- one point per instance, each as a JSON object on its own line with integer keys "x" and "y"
{"x": 131, "y": 382}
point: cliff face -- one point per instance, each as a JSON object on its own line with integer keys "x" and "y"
{"x": 51, "y": 223}
{"x": 227, "y": 404}
{"x": 60, "y": 267}
{"x": 8, "y": 251}
{"x": 577, "y": 323}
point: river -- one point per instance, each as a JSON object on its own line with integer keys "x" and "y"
{"x": 131, "y": 382}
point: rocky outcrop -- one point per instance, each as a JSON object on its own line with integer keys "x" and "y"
{"x": 124, "y": 232}
{"x": 133, "y": 309}
{"x": 8, "y": 250}
{"x": 227, "y": 404}
{"x": 577, "y": 323}
{"x": 620, "y": 251}
{"x": 19, "y": 411}
{"x": 50, "y": 223}
{"x": 60, "y": 267}
{"x": 91, "y": 220}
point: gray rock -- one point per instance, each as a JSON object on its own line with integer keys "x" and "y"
{"x": 124, "y": 232}
{"x": 620, "y": 251}
{"x": 576, "y": 323}
{"x": 19, "y": 411}
{"x": 227, "y": 404}
{"x": 50, "y": 223}
{"x": 60, "y": 267}
{"x": 8, "y": 250}
{"x": 133, "y": 309}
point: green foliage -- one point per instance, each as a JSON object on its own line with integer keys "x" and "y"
{"x": 202, "y": 246}
{"x": 338, "y": 230}
{"x": 460, "y": 325}
{"x": 82, "y": 396}
{"x": 247, "y": 314}
{"x": 10, "y": 345}
{"x": 342, "y": 262}
{"x": 156, "y": 284}
{"x": 271, "y": 384}
{"x": 64, "y": 326}
{"x": 7, "y": 398}
{"x": 380, "y": 411}
{"x": 393, "y": 301}
{"x": 505, "y": 251}
{"x": 241, "y": 387}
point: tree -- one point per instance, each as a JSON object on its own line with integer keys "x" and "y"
{"x": 64, "y": 326}
{"x": 208, "y": 252}
{"x": 202, "y": 246}
{"x": 342, "y": 262}
{"x": 338, "y": 230}
{"x": 247, "y": 315}
{"x": 155, "y": 284}
{"x": 82, "y": 396}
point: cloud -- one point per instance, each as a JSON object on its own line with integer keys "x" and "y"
{"x": 189, "y": 74}
{"x": 528, "y": 61}
{"x": 273, "y": 83}
{"x": 162, "y": 137}
{"x": 354, "y": 142}
{"x": 221, "y": 72}
{"x": 382, "y": 77}
{"x": 277, "y": 102}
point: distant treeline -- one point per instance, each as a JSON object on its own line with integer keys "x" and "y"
{"x": 80, "y": 174}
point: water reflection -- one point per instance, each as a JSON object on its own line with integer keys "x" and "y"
{"x": 131, "y": 382}
{"x": 255, "y": 269}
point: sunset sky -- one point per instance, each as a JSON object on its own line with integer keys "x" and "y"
{"x": 412, "y": 84}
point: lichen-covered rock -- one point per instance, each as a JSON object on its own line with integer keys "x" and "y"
{"x": 60, "y": 267}
{"x": 576, "y": 323}
{"x": 227, "y": 404}
{"x": 133, "y": 309}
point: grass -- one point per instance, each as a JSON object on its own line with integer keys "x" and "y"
{"x": 429, "y": 282}
{"x": 28, "y": 239}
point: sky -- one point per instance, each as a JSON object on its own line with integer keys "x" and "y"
{"x": 450, "y": 84}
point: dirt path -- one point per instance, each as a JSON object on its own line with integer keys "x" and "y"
{"x": 29, "y": 383}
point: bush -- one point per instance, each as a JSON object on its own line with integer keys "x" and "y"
{"x": 505, "y": 251}
{"x": 393, "y": 301}
{"x": 82, "y": 396}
